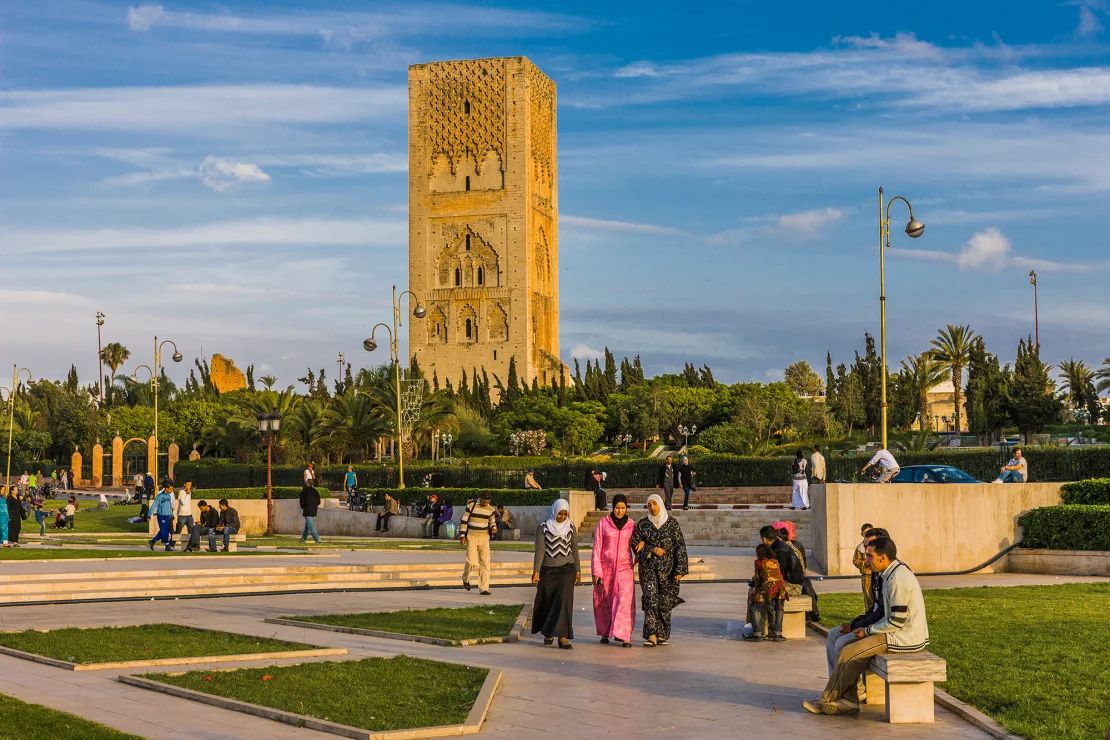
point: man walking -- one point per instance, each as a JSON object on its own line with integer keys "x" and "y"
{"x": 475, "y": 529}
{"x": 350, "y": 480}
{"x": 902, "y": 629}
{"x": 310, "y": 505}
{"x": 816, "y": 466}
{"x": 185, "y": 511}
{"x": 888, "y": 466}
{"x": 686, "y": 478}
{"x": 667, "y": 479}
{"x": 162, "y": 509}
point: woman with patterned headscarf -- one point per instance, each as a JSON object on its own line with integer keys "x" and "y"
{"x": 556, "y": 571}
{"x": 661, "y": 551}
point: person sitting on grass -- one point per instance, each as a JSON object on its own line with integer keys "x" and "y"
{"x": 60, "y": 518}
{"x": 209, "y": 520}
{"x": 227, "y": 525}
{"x": 768, "y": 592}
{"x": 143, "y": 517}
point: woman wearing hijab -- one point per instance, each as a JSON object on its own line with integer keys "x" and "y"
{"x": 614, "y": 582}
{"x": 556, "y": 570}
{"x": 4, "y": 515}
{"x": 15, "y": 517}
{"x": 661, "y": 551}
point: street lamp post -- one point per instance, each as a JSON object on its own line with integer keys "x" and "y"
{"x": 155, "y": 371}
{"x": 100, "y": 353}
{"x": 446, "y": 440}
{"x": 269, "y": 425}
{"x": 624, "y": 439}
{"x": 1036, "y": 310}
{"x": 686, "y": 433}
{"x": 16, "y": 373}
{"x": 914, "y": 229}
{"x": 370, "y": 345}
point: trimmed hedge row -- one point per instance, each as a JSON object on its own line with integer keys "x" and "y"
{"x": 1067, "y": 527}
{"x": 215, "y": 494}
{"x": 1090, "y": 491}
{"x": 458, "y": 496}
{"x": 1045, "y": 464}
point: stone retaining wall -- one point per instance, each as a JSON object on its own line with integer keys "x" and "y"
{"x": 1058, "y": 562}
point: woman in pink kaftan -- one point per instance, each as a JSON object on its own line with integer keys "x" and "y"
{"x": 614, "y": 582}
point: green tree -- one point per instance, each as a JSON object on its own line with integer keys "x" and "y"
{"x": 952, "y": 348}
{"x": 1031, "y": 401}
{"x": 1078, "y": 384}
{"x": 802, "y": 379}
{"x": 921, "y": 373}
{"x": 114, "y": 355}
{"x": 986, "y": 393}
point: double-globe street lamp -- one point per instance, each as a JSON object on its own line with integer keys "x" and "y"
{"x": 17, "y": 372}
{"x": 914, "y": 229}
{"x": 686, "y": 433}
{"x": 369, "y": 344}
{"x": 155, "y": 371}
{"x": 269, "y": 425}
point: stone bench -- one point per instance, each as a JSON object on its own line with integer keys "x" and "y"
{"x": 794, "y": 617}
{"x": 904, "y": 683}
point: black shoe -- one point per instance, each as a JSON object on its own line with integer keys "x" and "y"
{"x": 685, "y": 508}
{"x": 483, "y": 593}
{"x": 604, "y": 640}
{"x": 626, "y": 644}
{"x": 466, "y": 584}
{"x": 150, "y": 545}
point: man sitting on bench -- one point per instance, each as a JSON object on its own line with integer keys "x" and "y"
{"x": 902, "y": 629}
{"x": 227, "y": 525}
{"x": 209, "y": 520}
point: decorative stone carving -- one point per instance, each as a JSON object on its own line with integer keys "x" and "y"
{"x": 497, "y": 319}
{"x": 541, "y": 94}
{"x": 464, "y": 112}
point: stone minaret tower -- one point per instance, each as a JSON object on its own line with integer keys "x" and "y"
{"x": 483, "y": 219}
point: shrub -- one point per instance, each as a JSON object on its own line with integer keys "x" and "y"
{"x": 458, "y": 496}
{"x": 1068, "y": 527}
{"x": 215, "y": 494}
{"x": 1090, "y": 491}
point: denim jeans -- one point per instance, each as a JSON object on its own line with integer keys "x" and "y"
{"x": 1011, "y": 476}
{"x": 767, "y": 618}
{"x": 212, "y": 533}
{"x": 686, "y": 497}
{"x": 310, "y": 530}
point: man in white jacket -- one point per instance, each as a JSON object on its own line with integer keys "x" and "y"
{"x": 902, "y": 629}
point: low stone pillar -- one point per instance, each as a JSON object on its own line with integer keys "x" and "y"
{"x": 98, "y": 465}
{"x": 75, "y": 461}
{"x": 194, "y": 455}
{"x": 117, "y": 462}
{"x": 173, "y": 454}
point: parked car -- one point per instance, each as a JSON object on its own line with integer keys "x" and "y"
{"x": 933, "y": 474}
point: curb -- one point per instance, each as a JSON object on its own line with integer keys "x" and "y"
{"x": 155, "y": 662}
{"x": 513, "y": 635}
{"x": 472, "y": 726}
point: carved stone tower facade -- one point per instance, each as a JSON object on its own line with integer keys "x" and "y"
{"x": 483, "y": 219}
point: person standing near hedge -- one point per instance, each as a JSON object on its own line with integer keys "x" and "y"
{"x": 799, "y": 493}
{"x": 350, "y": 479}
{"x": 817, "y": 468}
{"x": 185, "y": 512}
{"x": 475, "y": 529}
{"x": 667, "y": 479}
{"x": 686, "y": 477}
{"x": 310, "y": 505}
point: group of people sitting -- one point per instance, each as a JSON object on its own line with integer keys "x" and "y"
{"x": 780, "y": 573}
{"x": 169, "y": 507}
{"x": 437, "y": 511}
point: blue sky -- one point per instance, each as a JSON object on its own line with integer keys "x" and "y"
{"x": 233, "y": 176}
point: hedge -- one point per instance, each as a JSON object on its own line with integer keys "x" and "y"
{"x": 1090, "y": 491}
{"x": 1068, "y": 527}
{"x": 210, "y": 494}
{"x": 458, "y": 496}
{"x": 1045, "y": 464}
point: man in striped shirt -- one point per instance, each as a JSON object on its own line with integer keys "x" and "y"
{"x": 902, "y": 629}
{"x": 477, "y": 525}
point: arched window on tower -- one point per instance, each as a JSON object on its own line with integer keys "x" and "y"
{"x": 468, "y": 242}
{"x": 458, "y": 277}
{"x": 468, "y": 183}
{"x": 481, "y": 276}
{"x": 469, "y": 329}
{"x": 466, "y": 107}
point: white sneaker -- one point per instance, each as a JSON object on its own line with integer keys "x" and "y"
{"x": 996, "y": 480}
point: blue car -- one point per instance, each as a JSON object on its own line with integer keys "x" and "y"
{"x": 933, "y": 474}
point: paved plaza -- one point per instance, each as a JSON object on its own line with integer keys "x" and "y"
{"x": 703, "y": 685}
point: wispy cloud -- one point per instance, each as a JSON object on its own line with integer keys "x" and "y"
{"x": 199, "y": 110}
{"x": 809, "y": 223}
{"x": 267, "y": 231}
{"x": 990, "y": 250}
{"x": 584, "y": 224}
{"x": 223, "y": 174}
{"x": 1090, "y": 23}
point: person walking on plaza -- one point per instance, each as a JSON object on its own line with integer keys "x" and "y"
{"x": 888, "y": 466}
{"x": 392, "y": 508}
{"x": 65, "y": 480}
{"x": 799, "y": 491}
{"x": 350, "y": 480}
{"x": 903, "y": 628}
{"x": 667, "y": 480}
{"x": 530, "y": 482}
{"x": 614, "y": 581}
{"x": 817, "y": 468}
{"x": 310, "y": 505}
{"x": 4, "y": 516}
{"x": 162, "y": 508}
{"x": 15, "y": 516}
{"x": 475, "y": 529}
{"x": 148, "y": 486}
{"x": 185, "y": 512}
{"x": 686, "y": 477}
{"x": 661, "y": 552}
{"x": 310, "y": 474}
{"x": 227, "y": 525}
{"x": 1015, "y": 471}
{"x": 556, "y": 570}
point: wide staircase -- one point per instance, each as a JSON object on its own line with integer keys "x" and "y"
{"x": 720, "y": 527}
{"x": 137, "y": 583}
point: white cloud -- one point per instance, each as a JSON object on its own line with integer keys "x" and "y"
{"x": 583, "y": 223}
{"x": 265, "y": 231}
{"x": 198, "y": 110}
{"x": 809, "y": 223}
{"x": 991, "y": 250}
{"x": 338, "y": 165}
{"x": 905, "y": 44}
{"x": 145, "y": 177}
{"x": 1089, "y": 23}
{"x": 585, "y": 352}
{"x": 224, "y": 174}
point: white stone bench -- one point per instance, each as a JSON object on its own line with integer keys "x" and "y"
{"x": 904, "y": 683}
{"x": 794, "y": 617}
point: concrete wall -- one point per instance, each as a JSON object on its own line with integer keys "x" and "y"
{"x": 936, "y": 527}
{"x": 1058, "y": 562}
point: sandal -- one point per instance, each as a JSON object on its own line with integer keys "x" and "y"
{"x": 650, "y": 642}
{"x": 548, "y": 640}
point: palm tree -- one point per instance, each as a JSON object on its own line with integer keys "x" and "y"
{"x": 1078, "y": 383}
{"x": 924, "y": 372}
{"x": 952, "y": 349}
{"x": 1104, "y": 376}
{"x": 353, "y": 424}
{"x": 114, "y": 355}
{"x": 268, "y": 381}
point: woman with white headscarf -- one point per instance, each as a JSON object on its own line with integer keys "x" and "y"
{"x": 661, "y": 552}
{"x": 556, "y": 571}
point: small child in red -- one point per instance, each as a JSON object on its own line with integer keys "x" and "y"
{"x": 765, "y": 598}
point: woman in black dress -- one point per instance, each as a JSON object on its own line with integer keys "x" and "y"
{"x": 556, "y": 571}
{"x": 661, "y": 552}
{"x": 15, "y": 516}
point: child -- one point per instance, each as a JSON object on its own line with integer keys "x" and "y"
{"x": 859, "y": 559}
{"x": 765, "y": 598}
{"x": 40, "y": 517}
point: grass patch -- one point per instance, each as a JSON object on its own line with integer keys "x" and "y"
{"x": 112, "y": 519}
{"x": 145, "y": 642}
{"x": 467, "y": 623}
{"x": 36, "y": 722}
{"x": 66, "y": 553}
{"x": 1032, "y": 657}
{"x": 388, "y": 693}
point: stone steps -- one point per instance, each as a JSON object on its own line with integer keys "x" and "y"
{"x": 715, "y": 527}
{"x": 187, "y": 581}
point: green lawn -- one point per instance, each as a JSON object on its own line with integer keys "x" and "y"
{"x": 375, "y": 694}
{"x": 67, "y": 553}
{"x": 1035, "y": 658}
{"x": 467, "y": 623}
{"x": 113, "y": 519}
{"x": 144, "y": 642}
{"x": 36, "y": 722}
